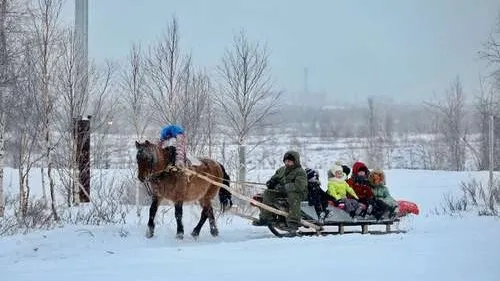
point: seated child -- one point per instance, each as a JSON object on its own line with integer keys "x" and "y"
{"x": 383, "y": 203}
{"x": 338, "y": 190}
{"x": 315, "y": 196}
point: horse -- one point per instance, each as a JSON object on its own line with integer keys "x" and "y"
{"x": 178, "y": 187}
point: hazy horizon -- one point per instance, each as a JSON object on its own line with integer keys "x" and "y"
{"x": 405, "y": 51}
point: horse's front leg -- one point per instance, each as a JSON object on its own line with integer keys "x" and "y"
{"x": 152, "y": 213}
{"x": 178, "y": 219}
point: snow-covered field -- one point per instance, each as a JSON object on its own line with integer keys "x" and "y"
{"x": 436, "y": 247}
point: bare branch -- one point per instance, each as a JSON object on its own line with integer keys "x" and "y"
{"x": 246, "y": 91}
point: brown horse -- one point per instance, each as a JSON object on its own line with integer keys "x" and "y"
{"x": 178, "y": 187}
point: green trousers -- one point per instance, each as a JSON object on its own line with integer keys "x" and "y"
{"x": 270, "y": 196}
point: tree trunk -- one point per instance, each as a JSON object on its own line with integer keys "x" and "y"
{"x": 137, "y": 203}
{"x": 2, "y": 151}
{"x": 3, "y": 92}
{"x": 23, "y": 192}
{"x": 242, "y": 169}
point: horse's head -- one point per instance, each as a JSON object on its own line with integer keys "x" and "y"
{"x": 148, "y": 158}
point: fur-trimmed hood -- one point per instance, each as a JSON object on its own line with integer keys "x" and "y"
{"x": 376, "y": 172}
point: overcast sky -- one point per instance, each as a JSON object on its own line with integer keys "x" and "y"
{"x": 402, "y": 49}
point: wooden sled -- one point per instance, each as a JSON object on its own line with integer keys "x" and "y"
{"x": 336, "y": 218}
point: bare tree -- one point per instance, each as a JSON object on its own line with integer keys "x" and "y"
{"x": 177, "y": 92}
{"x": 11, "y": 36}
{"x": 4, "y": 62}
{"x": 132, "y": 83}
{"x": 165, "y": 66}
{"x": 196, "y": 116}
{"x": 452, "y": 115}
{"x": 488, "y": 103}
{"x": 45, "y": 30}
{"x": 26, "y": 126}
{"x": 491, "y": 48}
{"x": 97, "y": 102}
{"x": 246, "y": 93}
{"x": 375, "y": 153}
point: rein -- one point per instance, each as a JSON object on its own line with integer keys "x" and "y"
{"x": 173, "y": 168}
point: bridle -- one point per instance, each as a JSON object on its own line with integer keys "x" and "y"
{"x": 147, "y": 154}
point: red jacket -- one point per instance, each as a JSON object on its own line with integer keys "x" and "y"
{"x": 361, "y": 187}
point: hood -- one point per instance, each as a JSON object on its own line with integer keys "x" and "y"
{"x": 291, "y": 154}
{"x": 359, "y": 166}
{"x": 377, "y": 172}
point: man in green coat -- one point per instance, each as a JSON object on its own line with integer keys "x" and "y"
{"x": 290, "y": 182}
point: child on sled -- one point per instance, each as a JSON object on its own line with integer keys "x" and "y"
{"x": 338, "y": 189}
{"x": 384, "y": 205}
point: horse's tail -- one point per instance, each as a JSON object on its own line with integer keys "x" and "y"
{"x": 224, "y": 194}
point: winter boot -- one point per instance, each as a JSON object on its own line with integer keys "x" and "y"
{"x": 291, "y": 227}
{"x": 359, "y": 209}
{"x": 261, "y": 222}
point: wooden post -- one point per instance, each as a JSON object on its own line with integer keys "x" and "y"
{"x": 82, "y": 139}
{"x": 491, "y": 156}
{"x": 388, "y": 227}
{"x": 364, "y": 229}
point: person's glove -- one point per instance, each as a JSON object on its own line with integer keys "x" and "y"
{"x": 281, "y": 188}
{"x": 160, "y": 143}
{"x": 271, "y": 184}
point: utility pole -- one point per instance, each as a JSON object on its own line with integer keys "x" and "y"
{"x": 81, "y": 36}
{"x": 81, "y": 129}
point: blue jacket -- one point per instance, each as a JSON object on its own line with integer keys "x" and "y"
{"x": 171, "y": 131}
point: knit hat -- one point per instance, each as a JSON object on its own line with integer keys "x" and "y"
{"x": 331, "y": 172}
{"x": 288, "y": 156}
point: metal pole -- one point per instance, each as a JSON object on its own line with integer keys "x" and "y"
{"x": 81, "y": 36}
{"x": 83, "y": 126}
{"x": 492, "y": 147}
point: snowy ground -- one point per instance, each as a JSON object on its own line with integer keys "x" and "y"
{"x": 436, "y": 247}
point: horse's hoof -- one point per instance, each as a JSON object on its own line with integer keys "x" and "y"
{"x": 149, "y": 234}
{"x": 195, "y": 234}
{"x": 179, "y": 236}
{"x": 214, "y": 232}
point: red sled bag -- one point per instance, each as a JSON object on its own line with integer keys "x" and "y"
{"x": 407, "y": 207}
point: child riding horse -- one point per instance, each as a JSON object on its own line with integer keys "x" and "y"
{"x": 178, "y": 187}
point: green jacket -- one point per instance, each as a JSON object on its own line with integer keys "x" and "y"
{"x": 381, "y": 192}
{"x": 294, "y": 179}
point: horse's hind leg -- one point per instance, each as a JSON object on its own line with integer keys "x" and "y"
{"x": 211, "y": 220}
{"x": 152, "y": 214}
{"x": 178, "y": 219}
{"x": 203, "y": 218}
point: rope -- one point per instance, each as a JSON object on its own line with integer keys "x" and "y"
{"x": 174, "y": 168}
{"x": 248, "y": 199}
{"x": 237, "y": 182}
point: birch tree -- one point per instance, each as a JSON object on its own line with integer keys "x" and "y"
{"x": 26, "y": 124}
{"x": 10, "y": 49}
{"x": 4, "y": 62}
{"x": 45, "y": 30}
{"x": 134, "y": 98}
{"x": 246, "y": 93}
